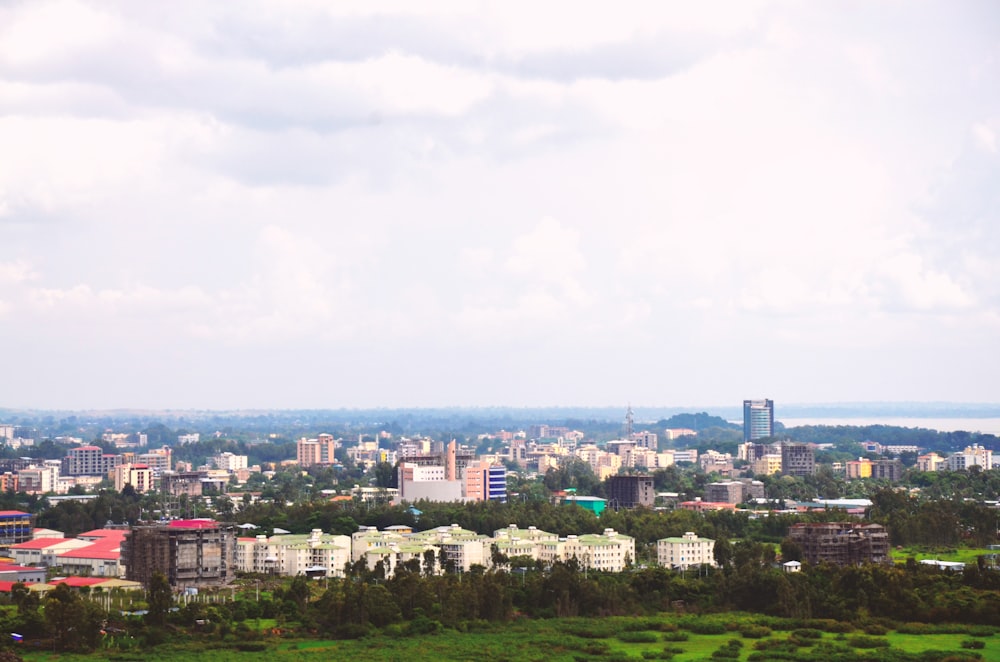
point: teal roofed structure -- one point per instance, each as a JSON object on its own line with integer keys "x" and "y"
{"x": 595, "y": 505}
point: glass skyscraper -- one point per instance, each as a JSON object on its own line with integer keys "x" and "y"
{"x": 758, "y": 419}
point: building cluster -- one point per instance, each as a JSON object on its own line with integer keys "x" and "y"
{"x": 971, "y": 456}
{"x": 639, "y": 451}
{"x": 782, "y": 457}
{"x": 452, "y": 475}
{"x": 144, "y": 469}
{"x": 203, "y": 552}
{"x": 888, "y": 469}
{"x": 94, "y": 553}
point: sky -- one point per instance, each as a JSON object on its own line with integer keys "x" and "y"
{"x": 305, "y": 204}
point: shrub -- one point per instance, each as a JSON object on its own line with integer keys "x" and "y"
{"x": 596, "y": 648}
{"x": 637, "y": 637}
{"x": 422, "y": 625}
{"x": 703, "y": 627}
{"x": 755, "y": 631}
{"x": 862, "y": 641}
{"x": 807, "y": 633}
{"x": 643, "y": 625}
{"x": 676, "y": 636}
{"x": 830, "y": 625}
{"x": 589, "y": 633}
{"x": 973, "y": 644}
{"x": 876, "y": 629}
{"x": 350, "y": 631}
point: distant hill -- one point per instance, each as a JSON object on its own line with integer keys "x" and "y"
{"x": 696, "y": 422}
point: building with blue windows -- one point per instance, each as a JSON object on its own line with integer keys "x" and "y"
{"x": 758, "y": 419}
{"x": 15, "y": 527}
{"x": 496, "y": 483}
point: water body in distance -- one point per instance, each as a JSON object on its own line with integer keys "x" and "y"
{"x": 982, "y": 425}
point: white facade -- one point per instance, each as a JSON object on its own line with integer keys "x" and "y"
{"x": 229, "y": 461}
{"x": 974, "y": 455}
{"x": 610, "y": 551}
{"x": 685, "y": 552}
{"x": 291, "y": 555}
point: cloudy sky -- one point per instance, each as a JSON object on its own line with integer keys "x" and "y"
{"x": 314, "y": 204}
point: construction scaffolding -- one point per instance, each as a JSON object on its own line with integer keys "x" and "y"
{"x": 841, "y": 543}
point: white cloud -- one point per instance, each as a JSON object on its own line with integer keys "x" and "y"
{"x": 985, "y": 137}
{"x": 487, "y": 189}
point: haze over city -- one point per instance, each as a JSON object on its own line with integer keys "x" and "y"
{"x": 299, "y": 205}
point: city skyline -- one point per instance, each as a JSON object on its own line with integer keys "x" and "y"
{"x": 295, "y": 206}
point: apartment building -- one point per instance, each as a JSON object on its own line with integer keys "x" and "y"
{"x": 609, "y": 551}
{"x": 687, "y": 551}
{"x": 930, "y": 462}
{"x": 230, "y": 462}
{"x": 313, "y": 554}
{"x": 139, "y": 476}
{"x": 318, "y": 451}
{"x": 89, "y": 461}
{"x": 767, "y": 465}
{"x": 797, "y": 459}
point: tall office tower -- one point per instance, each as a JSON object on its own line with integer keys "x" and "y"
{"x": 758, "y": 419}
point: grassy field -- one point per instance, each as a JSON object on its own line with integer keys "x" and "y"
{"x": 921, "y": 552}
{"x": 562, "y": 640}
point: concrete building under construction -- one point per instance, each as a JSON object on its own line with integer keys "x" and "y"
{"x": 630, "y": 491}
{"x": 189, "y": 553}
{"x": 841, "y": 543}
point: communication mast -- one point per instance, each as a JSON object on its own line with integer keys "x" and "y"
{"x": 629, "y": 422}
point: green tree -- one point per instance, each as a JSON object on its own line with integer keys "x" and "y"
{"x": 73, "y": 623}
{"x": 161, "y": 599}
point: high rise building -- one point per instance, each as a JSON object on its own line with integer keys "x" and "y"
{"x": 758, "y": 419}
{"x": 630, "y": 491}
{"x": 798, "y": 459}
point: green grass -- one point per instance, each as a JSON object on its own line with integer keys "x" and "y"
{"x": 541, "y": 641}
{"x": 921, "y": 552}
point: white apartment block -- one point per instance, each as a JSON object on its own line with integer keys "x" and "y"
{"x": 461, "y": 547}
{"x": 515, "y": 534}
{"x": 40, "y": 479}
{"x": 192, "y": 438}
{"x": 397, "y": 554}
{"x": 974, "y": 455}
{"x": 686, "y": 455}
{"x": 229, "y": 462}
{"x": 368, "y": 538}
{"x": 685, "y": 552}
{"x": 609, "y": 551}
{"x": 315, "y": 553}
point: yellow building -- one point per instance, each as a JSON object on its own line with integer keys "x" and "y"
{"x": 139, "y": 476}
{"x": 860, "y": 468}
{"x": 767, "y": 465}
